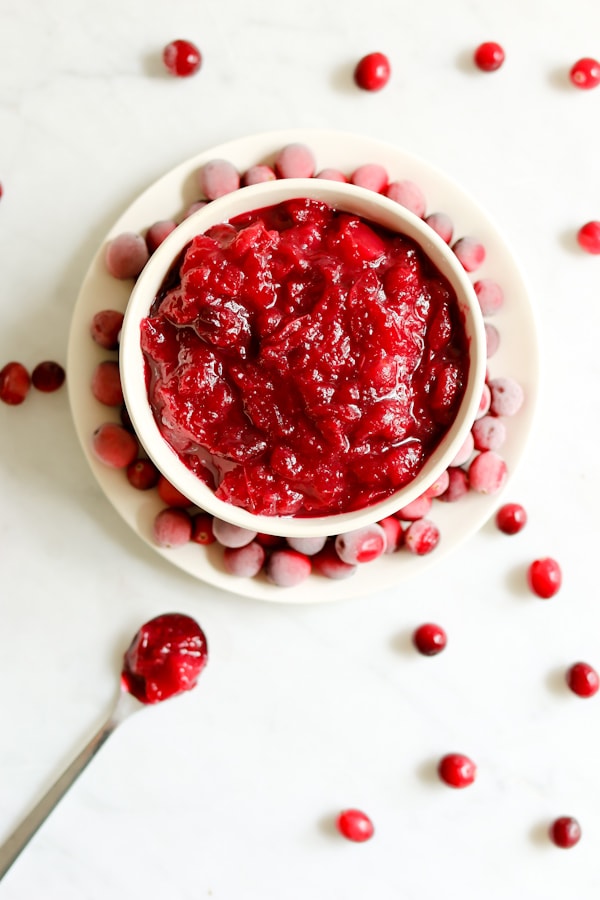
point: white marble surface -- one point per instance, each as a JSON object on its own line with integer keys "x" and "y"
{"x": 230, "y": 791}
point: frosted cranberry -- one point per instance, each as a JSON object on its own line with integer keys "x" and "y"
{"x": 394, "y": 533}
{"x": 194, "y": 207}
{"x": 288, "y": 568}
{"x": 492, "y": 339}
{"x": 48, "y": 376}
{"x": 489, "y": 56}
{"x": 182, "y": 58}
{"x": 465, "y": 451}
{"x": 15, "y": 382}
{"x": 295, "y": 161}
{"x": 202, "y": 529}
{"x": 355, "y": 825}
{"x": 361, "y": 545}
{"x": 489, "y": 433}
{"x": 565, "y": 832}
{"x": 544, "y": 577}
{"x": 231, "y": 535}
{"x": 583, "y": 679}
{"x": 158, "y": 232}
{"x": 171, "y": 495}
{"x": 371, "y": 176}
{"x": 457, "y": 770}
{"x": 429, "y": 639}
{"x": 585, "y": 73}
{"x": 307, "y": 545}
{"x": 506, "y": 396}
{"x": 142, "y": 474}
{"x": 172, "y": 527}
{"x": 439, "y": 485}
{"x": 217, "y": 178}
{"x": 421, "y": 537}
{"x": 106, "y": 383}
{"x": 114, "y": 445}
{"x": 105, "y": 328}
{"x": 270, "y": 540}
{"x": 332, "y": 175}
{"x": 490, "y": 296}
{"x": 328, "y": 563}
{"x": 511, "y": 518}
{"x": 408, "y": 194}
{"x": 487, "y": 473}
{"x": 126, "y": 255}
{"x": 588, "y": 237}
{"x": 258, "y": 175}
{"x": 246, "y": 561}
{"x": 485, "y": 402}
{"x": 469, "y": 252}
{"x": 442, "y": 225}
{"x": 372, "y": 72}
{"x": 458, "y": 485}
{"x": 419, "y": 508}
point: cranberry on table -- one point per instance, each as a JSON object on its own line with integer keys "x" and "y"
{"x": 585, "y": 73}
{"x": 430, "y": 639}
{"x": 489, "y": 56}
{"x": 511, "y": 518}
{"x": 372, "y": 72}
{"x": 355, "y": 825}
{"x": 182, "y": 58}
{"x": 15, "y": 382}
{"x": 565, "y": 832}
{"x": 583, "y": 679}
{"x": 457, "y": 770}
{"x": 588, "y": 237}
{"x": 544, "y": 577}
{"x": 48, "y": 376}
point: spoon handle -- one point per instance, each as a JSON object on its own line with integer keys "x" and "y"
{"x": 19, "y": 839}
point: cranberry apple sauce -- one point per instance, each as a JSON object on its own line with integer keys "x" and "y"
{"x": 304, "y": 361}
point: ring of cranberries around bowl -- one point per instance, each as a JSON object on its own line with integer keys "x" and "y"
{"x": 302, "y": 358}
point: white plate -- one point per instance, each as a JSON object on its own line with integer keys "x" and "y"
{"x": 517, "y": 355}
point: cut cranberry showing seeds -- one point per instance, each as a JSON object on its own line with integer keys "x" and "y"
{"x": 372, "y": 72}
{"x": 48, "y": 376}
{"x": 457, "y": 770}
{"x": 355, "y": 825}
{"x": 588, "y": 237}
{"x": 105, "y": 328}
{"x": 15, "y": 382}
{"x": 511, "y": 518}
{"x": 544, "y": 577}
{"x": 585, "y": 73}
{"x": 182, "y": 58}
{"x": 583, "y": 679}
{"x": 430, "y": 639}
{"x": 565, "y": 832}
{"x": 489, "y": 56}
{"x": 114, "y": 445}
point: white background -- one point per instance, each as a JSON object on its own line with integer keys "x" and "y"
{"x": 230, "y": 792}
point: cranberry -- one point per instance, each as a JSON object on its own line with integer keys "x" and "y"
{"x": 585, "y": 73}
{"x": 422, "y": 536}
{"x": 430, "y": 639}
{"x": 361, "y": 545}
{"x": 511, "y": 518}
{"x": 409, "y": 195}
{"x": 172, "y": 527}
{"x": 15, "y": 382}
{"x": 465, "y": 451}
{"x": 171, "y": 495}
{"x": 332, "y": 175}
{"x": 126, "y": 255}
{"x": 158, "y": 232}
{"x": 458, "y": 485}
{"x": 231, "y": 535}
{"x": 287, "y": 568}
{"x": 394, "y": 533}
{"x": 442, "y": 225}
{"x": 105, "y": 328}
{"x": 114, "y": 445}
{"x": 246, "y": 561}
{"x": 439, "y": 485}
{"x": 583, "y": 679}
{"x": 295, "y": 161}
{"x": 371, "y": 176}
{"x": 1, "y": 190}
{"x": 492, "y": 339}
{"x": 489, "y": 56}
{"x": 258, "y": 175}
{"x": 506, "y": 396}
{"x": 565, "y": 832}
{"x": 202, "y": 529}
{"x": 487, "y": 473}
{"x": 418, "y": 509}
{"x": 485, "y": 402}
{"x": 588, "y": 237}
{"x": 217, "y": 178}
{"x": 372, "y": 72}
{"x": 142, "y": 474}
{"x": 489, "y": 433}
{"x": 48, "y": 376}
{"x": 355, "y": 825}
{"x": 307, "y": 545}
{"x": 106, "y": 383}
{"x": 469, "y": 252}
{"x": 328, "y": 563}
{"x": 182, "y": 58}
{"x": 544, "y": 577}
{"x": 490, "y": 296}
{"x": 456, "y": 770}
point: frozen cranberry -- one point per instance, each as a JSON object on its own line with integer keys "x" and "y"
{"x": 372, "y": 72}
{"x": 246, "y": 561}
{"x": 487, "y": 473}
{"x": 172, "y": 527}
{"x": 371, "y": 176}
{"x": 544, "y": 577}
{"x": 469, "y": 252}
{"x": 158, "y": 232}
{"x": 48, "y": 376}
{"x": 565, "y": 832}
{"x": 361, "y": 545}
{"x": 142, "y": 474}
{"x": 511, "y": 518}
{"x": 355, "y": 825}
{"x": 114, "y": 445}
{"x": 484, "y": 403}
{"x": 421, "y": 537}
{"x": 171, "y": 495}
{"x": 217, "y": 178}
{"x": 106, "y": 383}
{"x": 15, "y": 382}
{"x": 332, "y": 175}
{"x": 126, "y": 255}
{"x": 457, "y": 770}
{"x": 231, "y": 535}
{"x": 328, "y": 563}
{"x": 489, "y": 56}
{"x": 194, "y": 207}
{"x": 585, "y": 73}
{"x": 465, "y": 451}
{"x": 588, "y": 237}
{"x": 258, "y": 175}
{"x": 458, "y": 485}
{"x": 394, "y": 533}
{"x": 202, "y": 529}
{"x": 288, "y": 568}
{"x": 506, "y": 396}
{"x": 489, "y": 433}
{"x": 492, "y": 339}
{"x": 182, "y": 58}
{"x": 270, "y": 540}
{"x": 407, "y": 194}
{"x": 583, "y": 679}
{"x": 307, "y": 545}
{"x": 490, "y": 296}
{"x": 430, "y": 639}
{"x": 442, "y": 225}
{"x": 105, "y": 328}
{"x": 418, "y": 509}
{"x": 295, "y": 161}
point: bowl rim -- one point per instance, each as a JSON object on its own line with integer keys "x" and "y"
{"x": 346, "y": 197}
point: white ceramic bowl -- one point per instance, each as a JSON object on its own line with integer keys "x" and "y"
{"x": 349, "y": 198}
